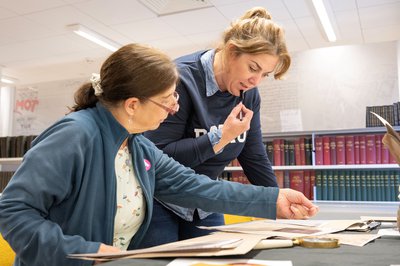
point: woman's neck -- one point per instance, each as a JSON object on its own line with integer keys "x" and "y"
{"x": 218, "y": 67}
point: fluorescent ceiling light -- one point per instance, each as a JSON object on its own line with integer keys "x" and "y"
{"x": 7, "y": 80}
{"x": 324, "y": 19}
{"x": 95, "y": 37}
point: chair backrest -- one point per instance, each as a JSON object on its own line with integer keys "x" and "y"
{"x": 7, "y": 254}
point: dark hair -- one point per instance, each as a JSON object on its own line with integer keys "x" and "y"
{"x": 132, "y": 71}
{"x": 256, "y": 33}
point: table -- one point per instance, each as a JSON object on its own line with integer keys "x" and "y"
{"x": 383, "y": 251}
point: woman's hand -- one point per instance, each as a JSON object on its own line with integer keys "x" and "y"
{"x": 106, "y": 249}
{"x": 234, "y": 126}
{"x": 292, "y": 204}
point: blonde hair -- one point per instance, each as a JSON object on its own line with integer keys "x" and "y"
{"x": 256, "y": 33}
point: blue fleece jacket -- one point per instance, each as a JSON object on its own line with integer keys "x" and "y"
{"x": 184, "y": 135}
{"x": 61, "y": 199}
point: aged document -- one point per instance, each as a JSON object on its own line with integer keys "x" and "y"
{"x": 217, "y": 244}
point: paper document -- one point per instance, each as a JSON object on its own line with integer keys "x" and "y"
{"x": 391, "y": 139}
{"x": 217, "y": 244}
{"x": 227, "y": 262}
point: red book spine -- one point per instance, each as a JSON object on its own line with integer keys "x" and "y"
{"x": 277, "y": 151}
{"x": 279, "y": 178}
{"x": 319, "y": 152}
{"x": 385, "y": 154}
{"x": 356, "y": 150}
{"x": 350, "y": 158}
{"x": 363, "y": 149}
{"x": 297, "y": 180}
{"x": 392, "y": 159}
{"x": 327, "y": 150}
{"x": 340, "y": 150}
{"x": 370, "y": 149}
{"x": 332, "y": 145}
{"x": 378, "y": 147}
{"x": 307, "y": 184}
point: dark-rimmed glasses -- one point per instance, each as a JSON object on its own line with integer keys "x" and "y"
{"x": 171, "y": 110}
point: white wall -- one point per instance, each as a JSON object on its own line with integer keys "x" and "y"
{"x": 39, "y": 105}
{"x": 329, "y": 88}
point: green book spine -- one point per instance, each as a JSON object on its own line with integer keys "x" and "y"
{"x": 330, "y": 185}
{"x": 357, "y": 181}
{"x": 378, "y": 187}
{"x": 349, "y": 186}
{"x": 318, "y": 184}
{"x": 292, "y": 160}
{"x": 373, "y": 186}
{"x": 363, "y": 182}
{"x": 394, "y": 188}
{"x": 342, "y": 185}
{"x": 325, "y": 185}
{"x": 387, "y": 185}
{"x": 336, "y": 185}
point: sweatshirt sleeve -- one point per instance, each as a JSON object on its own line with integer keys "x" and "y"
{"x": 43, "y": 180}
{"x": 253, "y": 158}
{"x": 172, "y": 137}
{"x": 182, "y": 186}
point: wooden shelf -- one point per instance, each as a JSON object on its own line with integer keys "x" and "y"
{"x": 9, "y": 164}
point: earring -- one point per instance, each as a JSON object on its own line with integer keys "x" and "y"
{"x": 130, "y": 121}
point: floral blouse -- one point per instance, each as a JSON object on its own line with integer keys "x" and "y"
{"x": 130, "y": 201}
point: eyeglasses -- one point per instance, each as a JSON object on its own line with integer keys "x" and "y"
{"x": 171, "y": 110}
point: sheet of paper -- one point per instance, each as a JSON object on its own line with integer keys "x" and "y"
{"x": 379, "y": 218}
{"x": 357, "y": 240}
{"x": 288, "y": 228}
{"x": 389, "y": 232}
{"x": 227, "y": 262}
{"x": 217, "y": 244}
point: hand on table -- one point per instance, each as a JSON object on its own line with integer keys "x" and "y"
{"x": 292, "y": 204}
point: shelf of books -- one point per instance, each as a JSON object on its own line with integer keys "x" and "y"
{"x": 12, "y": 149}
{"x": 339, "y": 165}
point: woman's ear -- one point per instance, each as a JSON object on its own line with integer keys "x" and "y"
{"x": 131, "y": 105}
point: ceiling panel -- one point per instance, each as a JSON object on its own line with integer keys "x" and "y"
{"x": 22, "y": 30}
{"x": 115, "y": 11}
{"x": 22, "y": 7}
{"x": 197, "y": 21}
{"x": 368, "y": 3}
{"x": 146, "y": 30}
{"x": 378, "y": 16}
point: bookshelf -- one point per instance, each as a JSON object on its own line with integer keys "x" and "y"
{"x": 371, "y": 176}
{"x": 9, "y": 164}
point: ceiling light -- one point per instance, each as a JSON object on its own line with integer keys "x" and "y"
{"x": 324, "y": 19}
{"x": 7, "y": 80}
{"x": 94, "y": 37}
{"x": 167, "y": 7}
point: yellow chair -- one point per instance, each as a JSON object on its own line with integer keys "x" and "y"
{"x": 7, "y": 255}
{"x": 233, "y": 219}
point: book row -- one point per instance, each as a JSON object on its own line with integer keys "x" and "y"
{"x": 290, "y": 152}
{"x": 5, "y": 177}
{"x": 15, "y": 146}
{"x": 357, "y": 185}
{"x": 336, "y": 185}
{"x": 390, "y": 112}
{"x": 302, "y": 181}
{"x": 351, "y": 149}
